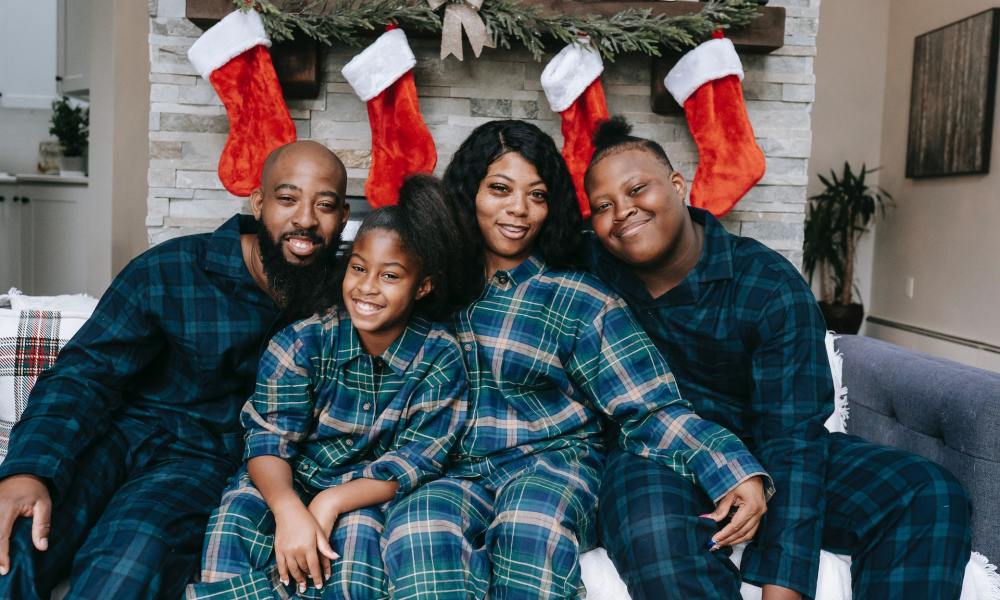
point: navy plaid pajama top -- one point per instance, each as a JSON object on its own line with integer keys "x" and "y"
{"x": 172, "y": 346}
{"x": 745, "y": 340}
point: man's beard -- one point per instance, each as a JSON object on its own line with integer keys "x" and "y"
{"x": 301, "y": 290}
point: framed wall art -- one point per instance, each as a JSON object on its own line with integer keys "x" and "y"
{"x": 952, "y": 97}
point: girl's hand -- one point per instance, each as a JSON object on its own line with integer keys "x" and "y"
{"x": 325, "y": 508}
{"x": 748, "y": 498}
{"x": 297, "y": 538}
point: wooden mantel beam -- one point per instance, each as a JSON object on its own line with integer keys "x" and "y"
{"x": 765, "y": 34}
{"x": 298, "y": 63}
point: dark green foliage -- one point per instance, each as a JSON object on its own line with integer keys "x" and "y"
{"x": 70, "y": 124}
{"x": 837, "y": 218}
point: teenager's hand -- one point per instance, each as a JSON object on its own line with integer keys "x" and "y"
{"x": 748, "y": 498}
{"x": 23, "y": 496}
{"x": 299, "y": 541}
{"x": 776, "y": 592}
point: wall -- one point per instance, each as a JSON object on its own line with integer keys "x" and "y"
{"x": 119, "y": 142}
{"x": 22, "y": 130}
{"x": 188, "y": 125}
{"x": 943, "y": 231}
{"x": 851, "y": 52}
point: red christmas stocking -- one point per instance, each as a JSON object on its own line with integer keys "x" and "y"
{"x": 706, "y": 82}
{"x": 233, "y": 56}
{"x": 382, "y": 77}
{"x": 573, "y": 87}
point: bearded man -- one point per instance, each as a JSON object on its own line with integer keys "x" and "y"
{"x": 127, "y": 441}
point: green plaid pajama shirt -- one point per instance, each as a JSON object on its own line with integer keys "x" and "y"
{"x": 336, "y": 413}
{"x": 549, "y": 355}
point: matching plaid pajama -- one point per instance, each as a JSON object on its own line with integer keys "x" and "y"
{"x": 135, "y": 428}
{"x": 549, "y": 354}
{"x": 336, "y": 413}
{"x": 745, "y": 338}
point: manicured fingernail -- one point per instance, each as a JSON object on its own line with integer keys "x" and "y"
{"x": 3, "y": 570}
{"x": 712, "y": 544}
{"x": 318, "y": 586}
{"x": 302, "y": 588}
{"x": 284, "y": 582}
{"x": 705, "y": 516}
{"x": 328, "y": 576}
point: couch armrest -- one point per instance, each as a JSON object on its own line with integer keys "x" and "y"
{"x": 943, "y": 410}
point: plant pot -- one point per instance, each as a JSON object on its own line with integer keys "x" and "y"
{"x": 71, "y": 165}
{"x": 843, "y": 318}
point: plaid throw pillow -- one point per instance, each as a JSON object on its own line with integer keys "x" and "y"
{"x": 30, "y": 340}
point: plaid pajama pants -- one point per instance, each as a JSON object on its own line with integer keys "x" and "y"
{"x": 239, "y": 557}
{"x": 903, "y": 519}
{"x": 515, "y": 533}
{"x": 130, "y": 525}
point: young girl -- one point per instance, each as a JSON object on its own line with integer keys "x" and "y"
{"x": 549, "y": 351}
{"x": 353, "y": 409}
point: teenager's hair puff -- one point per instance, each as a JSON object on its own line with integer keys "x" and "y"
{"x": 431, "y": 230}
{"x": 614, "y": 136}
{"x": 560, "y": 240}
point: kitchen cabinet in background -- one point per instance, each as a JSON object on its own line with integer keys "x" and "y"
{"x": 73, "y": 48}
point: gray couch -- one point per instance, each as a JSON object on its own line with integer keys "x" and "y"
{"x": 937, "y": 408}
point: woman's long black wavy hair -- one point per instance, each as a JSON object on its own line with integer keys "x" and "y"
{"x": 561, "y": 237}
{"x": 432, "y": 230}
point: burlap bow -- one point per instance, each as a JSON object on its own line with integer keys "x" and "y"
{"x": 459, "y": 16}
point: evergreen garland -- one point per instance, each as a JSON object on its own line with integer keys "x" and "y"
{"x": 508, "y": 22}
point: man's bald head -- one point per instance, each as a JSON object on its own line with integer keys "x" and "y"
{"x": 305, "y": 150}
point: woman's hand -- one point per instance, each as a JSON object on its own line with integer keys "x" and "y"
{"x": 299, "y": 542}
{"x": 748, "y": 498}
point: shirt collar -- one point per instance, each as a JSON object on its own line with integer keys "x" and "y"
{"x": 714, "y": 264}
{"x": 532, "y": 266}
{"x": 224, "y": 254}
{"x": 401, "y": 353}
{"x": 398, "y": 355}
{"x": 716, "y": 261}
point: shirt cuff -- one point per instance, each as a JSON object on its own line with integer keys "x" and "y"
{"x": 393, "y": 467}
{"x": 776, "y": 567}
{"x": 718, "y": 480}
{"x": 266, "y": 443}
{"x": 54, "y": 473}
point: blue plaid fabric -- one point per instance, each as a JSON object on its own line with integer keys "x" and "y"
{"x": 171, "y": 351}
{"x": 649, "y": 525}
{"x": 336, "y": 413}
{"x": 240, "y": 539}
{"x": 550, "y": 353}
{"x": 745, "y": 339}
{"x": 130, "y": 525}
{"x": 515, "y": 533}
{"x": 174, "y": 341}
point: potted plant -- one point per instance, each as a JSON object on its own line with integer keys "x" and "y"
{"x": 70, "y": 125}
{"x": 837, "y": 218}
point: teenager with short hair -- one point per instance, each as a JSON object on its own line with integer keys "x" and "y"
{"x": 745, "y": 339}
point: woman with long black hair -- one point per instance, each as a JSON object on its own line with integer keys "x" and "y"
{"x": 549, "y": 352}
